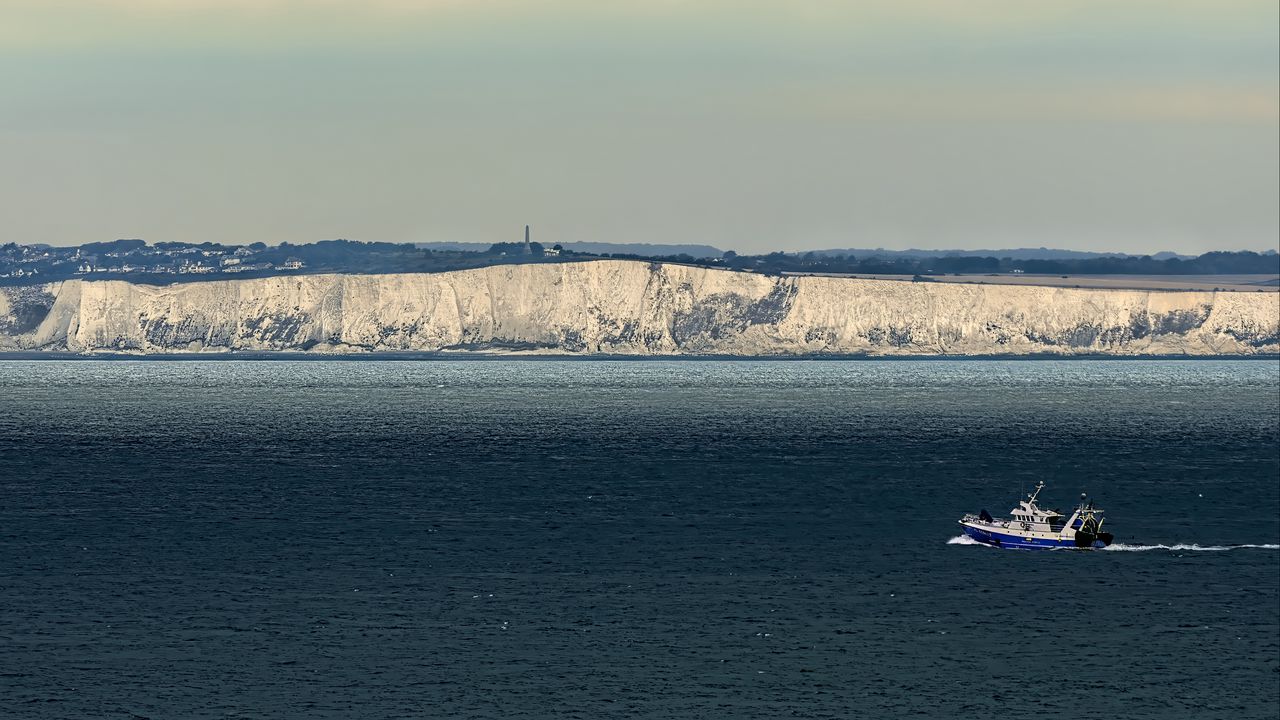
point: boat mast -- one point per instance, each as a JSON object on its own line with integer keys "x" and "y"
{"x": 1032, "y": 497}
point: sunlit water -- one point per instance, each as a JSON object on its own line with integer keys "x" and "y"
{"x": 633, "y": 539}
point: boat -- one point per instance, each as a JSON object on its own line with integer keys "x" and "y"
{"x": 1031, "y": 527}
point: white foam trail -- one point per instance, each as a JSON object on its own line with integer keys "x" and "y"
{"x": 1121, "y": 547}
{"x": 963, "y": 540}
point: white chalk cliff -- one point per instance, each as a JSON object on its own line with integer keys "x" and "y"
{"x": 630, "y": 308}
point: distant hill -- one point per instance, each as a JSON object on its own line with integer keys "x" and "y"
{"x": 597, "y": 248}
{"x": 168, "y": 262}
{"x": 454, "y": 246}
{"x": 655, "y": 249}
{"x": 1012, "y": 253}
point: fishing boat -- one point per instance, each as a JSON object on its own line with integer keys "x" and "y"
{"x": 1031, "y": 527}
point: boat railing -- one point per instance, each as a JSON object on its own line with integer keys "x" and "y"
{"x": 977, "y": 520}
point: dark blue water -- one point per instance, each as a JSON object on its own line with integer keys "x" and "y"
{"x": 632, "y": 539}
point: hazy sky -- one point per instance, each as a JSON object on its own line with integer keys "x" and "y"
{"x": 1108, "y": 124}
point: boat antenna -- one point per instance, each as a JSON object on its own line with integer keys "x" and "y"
{"x": 1032, "y": 496}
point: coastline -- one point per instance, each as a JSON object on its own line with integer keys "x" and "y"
{"x": 451, "y": 356}
{"x": 617, "y": 308}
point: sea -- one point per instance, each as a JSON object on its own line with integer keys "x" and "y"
{"x": 536, "y": 538}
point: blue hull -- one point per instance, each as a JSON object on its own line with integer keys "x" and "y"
{"x": 1019, "y": 542}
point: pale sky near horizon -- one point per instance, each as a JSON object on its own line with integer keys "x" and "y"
{"x": 1126, "y": 125}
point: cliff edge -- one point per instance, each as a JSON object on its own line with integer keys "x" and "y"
{"x": 630, "y": 308}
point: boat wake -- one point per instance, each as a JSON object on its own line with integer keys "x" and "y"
{"x": 1123, "y": 547}
{"x": 1193, "y": 547}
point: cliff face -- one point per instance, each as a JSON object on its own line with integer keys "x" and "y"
{"x": 631, "y": 308}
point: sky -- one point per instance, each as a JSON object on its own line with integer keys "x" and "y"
{"x": 1116, "y": 125}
